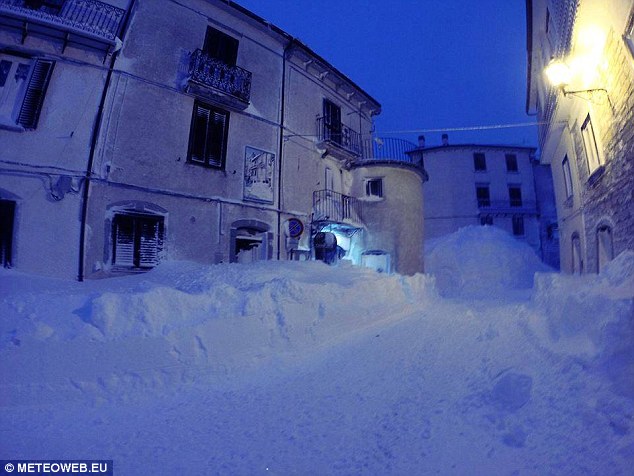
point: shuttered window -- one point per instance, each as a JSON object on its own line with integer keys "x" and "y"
{"x": 34, "y": 95}
{"x": 137, "y": 240}
{"x": 208, "y": 137}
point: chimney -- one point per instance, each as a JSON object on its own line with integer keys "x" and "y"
{"x": 421, "y": 142}
{"x": 445, "y": 139}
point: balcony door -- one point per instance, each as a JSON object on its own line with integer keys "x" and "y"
{"x": 332, "y": 121}
{"x": 221, "y": 46}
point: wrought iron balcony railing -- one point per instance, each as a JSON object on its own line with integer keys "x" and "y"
{"x": 88, "y": 17}
{"x": 213, "y": 73}
{"x": 507, "y": 206}
{"x": 339, "y": 135}
{"x": 336, "y": 207}
{"x": 388, "y": 148}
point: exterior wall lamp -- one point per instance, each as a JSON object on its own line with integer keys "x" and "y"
{"x": 559, "y": 74}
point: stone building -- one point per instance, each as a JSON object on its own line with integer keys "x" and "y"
{"x": 499, "y": 185}
{"x": 580, "y": 84}
{"x": 128, "y": 138}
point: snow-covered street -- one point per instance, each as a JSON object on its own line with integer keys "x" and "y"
{"x": 301, "y": 368}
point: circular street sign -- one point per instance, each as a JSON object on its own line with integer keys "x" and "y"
{"x": 295, "y": 227}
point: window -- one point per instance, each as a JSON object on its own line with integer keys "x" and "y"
{"x": 7, "y": 215}
{"x": 511, "y": 163}
{"x": 374, "y": 187}
{"x": 329, "y": 179}
{"x": 208, "y": 136}
{"x": 332, "y": 122}
{"x": 479, "y": 162}
{"x": 482, "y": 195}
{"x": 137, "y": 240}
{"x": 605, "y": 249}
{"x": 518, "y": 226}
{"x": 565, "y": 165}
{"x": 23, "y": 84}
{"x": 577, "y": 260}
{"x": 221, "y": 46}
{"x": 515, "y": 196}
{"x": 486, "y": 220}
{"x": 590, "y": 145}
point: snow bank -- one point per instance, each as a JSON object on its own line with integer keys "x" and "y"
{"x": 481, "y": 261}
{"x": 591, "y": 318}
{"x": 181, "y": 316}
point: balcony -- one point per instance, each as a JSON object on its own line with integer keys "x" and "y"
{"x": 341, "y": 137}
{"x": 507, "y": 207}
{"x": 336, "y": 207}
{"x": 86, "y": 22}
{"x": 229, "y": 85}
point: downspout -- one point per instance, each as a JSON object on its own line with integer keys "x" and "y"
{"x": 281, "y": 152}
{"x": 93, "y": 146}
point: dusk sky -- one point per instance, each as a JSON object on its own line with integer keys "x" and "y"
{"x": 431, "y": 64}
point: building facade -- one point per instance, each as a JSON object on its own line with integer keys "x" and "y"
{"x": 130, "y": 139}
{"x": 499, "y": 185}
{"x": 585, "y": 115}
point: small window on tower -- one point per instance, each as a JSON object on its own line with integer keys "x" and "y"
{"x": 374, "y": 187}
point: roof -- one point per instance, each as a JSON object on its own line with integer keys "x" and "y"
{"x": 472, "y": 147}
{"x": 294, "y": 42}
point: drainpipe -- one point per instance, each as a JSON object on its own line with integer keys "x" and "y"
{"x": 281, "y": 152}
{"x": 93, "y": 146}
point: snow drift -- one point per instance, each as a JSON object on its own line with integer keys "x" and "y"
{"x": 301, "y": 368}
{"x": 482, "y": 261}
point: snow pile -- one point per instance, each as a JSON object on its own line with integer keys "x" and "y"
{"x": 591, "y": 318}
{"x": 182, "y": 315}
{"x": 481, "y": 261}
{"x": 302, "y": 368}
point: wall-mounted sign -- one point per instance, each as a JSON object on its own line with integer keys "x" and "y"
{"x": 259, "y": 174}
{"x": 295, "y": 228}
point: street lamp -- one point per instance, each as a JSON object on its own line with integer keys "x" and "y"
{"x": 560, "y": 75}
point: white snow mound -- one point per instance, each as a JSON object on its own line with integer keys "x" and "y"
{"x": 482, "y": 261}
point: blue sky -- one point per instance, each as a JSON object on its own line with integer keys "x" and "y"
{"x": 432, "y": 64}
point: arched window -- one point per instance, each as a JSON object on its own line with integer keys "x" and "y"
{"x": 605, "y": 249}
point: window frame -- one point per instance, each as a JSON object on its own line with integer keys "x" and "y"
{"x": 511, "y": 159}
{"x": 479, "y": 166}
{"x": 567, "y": 174}
{"x": 483, "y": 202}
{"x": 220, "y": 163}
{"x": 516, "y": 202}
{"x": 594, "y": 159}
{"x": 23, "y": 102}
{"x": 137, "y": 220}
{"x": 369, "y": 187}
{"x": 217, "y": 44}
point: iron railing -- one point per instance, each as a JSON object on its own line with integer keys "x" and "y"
{"x": 507, "y": 206}
{"x": 215, "y": 74}
{"x": 85, "y": 16}
{"x": 337, "y": 207}
{"x": 388, "y": 148}
{"x": 339, "y": 135}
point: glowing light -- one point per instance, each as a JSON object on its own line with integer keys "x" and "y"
{"x": 558, "y": 73}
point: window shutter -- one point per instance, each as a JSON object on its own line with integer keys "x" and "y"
{"x": 34, "y": 96}
{"x": 151, "y": 241}
{"x": 216, "y": 135}
{"x": 199, "y": 133}
{"x": 123, "y": 241}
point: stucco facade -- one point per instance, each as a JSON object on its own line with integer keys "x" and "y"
{"x": 225, "y": 141}
{"x": 586, "y": 133}
{"x": 477, "y": 184}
